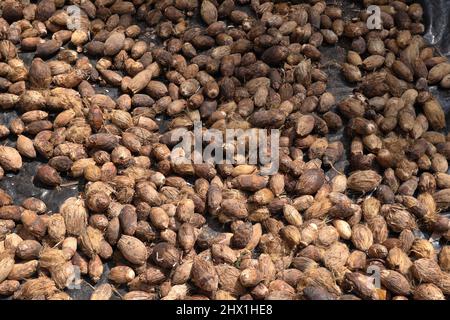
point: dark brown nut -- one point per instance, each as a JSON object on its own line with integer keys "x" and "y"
{"x": 434, "y": 113}
{"x": 10, "y": 159}
{"x": 373, "y": 62}
{"x": 402, "y": 71}
{"x": 310, "y": 181}
{"x": 121, "y": 274}
{"x": 114, "y": 43}
{"x": 128, "y": 219}
{"x": 262, "y": 72}
{"x": 250, "y": 182}
{"x": 48, "y": 176}
{"x": 8, "y": 287}
{"x": 75, "y": 215}
{"x": 234, "y": 208}
{"x": 438, "y": 72}
{"x": 428, "y": 291}
{"x": 351, "y": 107}
{"x": 275, "y": 55}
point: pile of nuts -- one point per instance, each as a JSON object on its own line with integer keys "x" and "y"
{"x": 298, "y": 234}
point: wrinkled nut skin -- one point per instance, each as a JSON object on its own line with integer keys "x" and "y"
{"x": 10, "y": 159}
{"x": 48, "y": 176}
